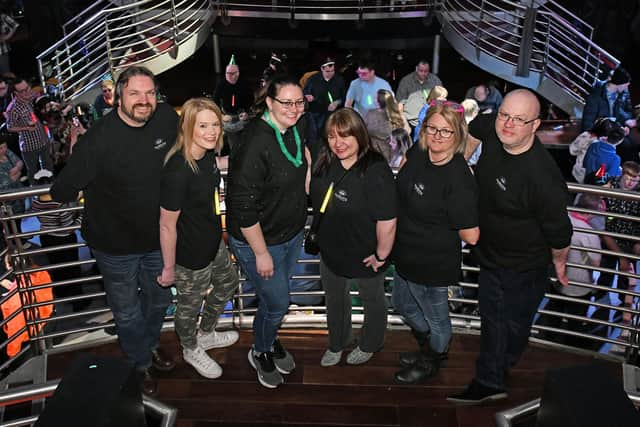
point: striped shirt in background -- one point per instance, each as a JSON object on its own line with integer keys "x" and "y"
{"x": 52, "y": 220}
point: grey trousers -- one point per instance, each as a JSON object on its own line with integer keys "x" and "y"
{"x": 338, "y": 300}
{"x": 215, "y": 284}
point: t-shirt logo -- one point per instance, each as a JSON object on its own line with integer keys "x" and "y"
{"x": 419, "y": 188}
{"x": 502, "y": 183}
{"x": 342, "y": 195}
{"x": 159, "y": 143}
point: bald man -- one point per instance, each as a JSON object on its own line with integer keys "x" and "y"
{"x": 524, "y": 229}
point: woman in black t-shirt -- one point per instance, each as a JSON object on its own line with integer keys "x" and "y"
{"x": 353, "y": 188}
{"x": 437, "y": 209}
{"x": 194, "y": 255}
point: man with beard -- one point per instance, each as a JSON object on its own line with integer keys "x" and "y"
{"x": 118, "y": 164}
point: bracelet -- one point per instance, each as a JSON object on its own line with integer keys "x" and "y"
{"x": 375, "y": 254}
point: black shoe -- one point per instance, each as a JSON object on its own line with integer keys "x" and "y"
{"x": 162, "y": 361}
{"x": 476, "y": 393}
{"x": 149, "y": 383}
{"x": 417, "y": 373}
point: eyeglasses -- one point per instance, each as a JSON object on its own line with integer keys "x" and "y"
{"x": 26, "y": 89}
{"x": 432, "y": 130}
{"x": 453, "y": 105}
{"x": 517, "y": 121}
{"x": 108, "y": 89}
{"x": 232, "y": 73}
{"x": 291, "y": 104}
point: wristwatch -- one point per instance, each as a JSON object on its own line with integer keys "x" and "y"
{"x": 375, "y": 254}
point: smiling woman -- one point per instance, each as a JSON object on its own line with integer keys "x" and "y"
{"x": 194, "y": 255}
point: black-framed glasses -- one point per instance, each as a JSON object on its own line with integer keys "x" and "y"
{"x": 517, "y": 121}
{"x": 444, "y": 133}
{"x": 291, "y": 104}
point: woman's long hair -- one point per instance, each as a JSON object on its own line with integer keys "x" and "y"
{"x": 388, "y": 103}
{"x": 346, "y": 122}
{"x": 438, "y": 92}
{"x": 187, "y": 124}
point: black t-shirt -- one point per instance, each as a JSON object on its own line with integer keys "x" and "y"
{"x": 347, "y": 232}
{"x": 232, "y": 99}
{"x": 119, "y": 167}
{"x": 265, "y": 187}
{"x": 434, "y": 202}
{"x": 522, "y": 203}
{"x": 199, "y": 228}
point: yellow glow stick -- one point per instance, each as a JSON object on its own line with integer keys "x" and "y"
{"x": 216, "y": 202}
{"x": 327, "y": 196}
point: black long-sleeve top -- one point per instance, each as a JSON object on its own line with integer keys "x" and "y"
{"x": 264, "y": 187}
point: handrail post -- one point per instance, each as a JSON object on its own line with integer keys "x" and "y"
{"x": 526, "y": 45}
{"x": 478, "y": 21}
{"x": 174, "y": 19}
{"x": 108, "y": 45}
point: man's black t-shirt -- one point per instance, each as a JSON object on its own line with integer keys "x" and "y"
{"x": 119, "y": 167}
{"x": 434, "y": 202}
{"x": 199, "y": 228}
{"x": 232, "y": 99}
{"x": 522, "y": 203}
{"x": 347, "y": 232}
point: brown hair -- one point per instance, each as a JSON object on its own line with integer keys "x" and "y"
{"x": 187, "y": 123}
{"x": 631, "y": 168}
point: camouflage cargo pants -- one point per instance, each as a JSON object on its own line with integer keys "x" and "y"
{"x": 216, "y": 284}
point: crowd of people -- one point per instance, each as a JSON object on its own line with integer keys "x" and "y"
{"x": 474, "y": 173}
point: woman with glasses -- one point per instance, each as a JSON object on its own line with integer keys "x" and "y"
{"x": 194, "y": 255}
{"x": 354, "y": 189}
{"x": 437, "y": 210}
{"x": 104, "y": 102}
{"x": 267, "y": 203}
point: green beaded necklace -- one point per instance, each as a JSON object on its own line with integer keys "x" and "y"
{"x": 297, "y": 161}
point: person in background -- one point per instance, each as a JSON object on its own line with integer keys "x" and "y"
{"x": 471, "y": 111}
{"x": 233, "y": 97}
{"x": 382, "y": 121}
{"x": 363, "y": 91}
{"x": 420, "y": 80}
{"x": 325, "y": 92}
{"x": 437, "y": 210}
{"x": 354, "y": 186}
{"x": 438, "y": 93}
{"x": 581, "y": 144}
{"x": 487, "y": 96}
{"x": 194, "y": 255}
{"x": 103, "y": 103}
{"x": 34, "y": 141}
{"x": 8, "y": 27}
{"x": 601, "y": 156}
{"x": 267, "y": 211}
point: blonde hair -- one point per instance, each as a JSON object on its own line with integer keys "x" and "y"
{"x": 454, "y": 118}
{"x": 388, "y": 103}
{"x": 471, "y": 109}
{"x": 186, "y": 125}
{"x": 438, "y": 92}
{"x": 107, "y": 83}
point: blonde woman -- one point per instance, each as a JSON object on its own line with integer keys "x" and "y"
{"x": 194, "y": 255}
{"x": 438, "y": 93}
{"x": 437, "y": 208}
{"x": 383, "y": 121}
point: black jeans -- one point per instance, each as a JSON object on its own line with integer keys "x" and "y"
{"x": 508, "y": 301}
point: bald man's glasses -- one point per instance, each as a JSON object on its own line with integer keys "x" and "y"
{"x": 517, "y": 121}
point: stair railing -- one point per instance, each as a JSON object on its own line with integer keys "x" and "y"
{"x": 561, "y": 52}
{"x": 115, "y": 37}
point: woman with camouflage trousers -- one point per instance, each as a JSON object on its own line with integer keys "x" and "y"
{"x": 194, "y": 255}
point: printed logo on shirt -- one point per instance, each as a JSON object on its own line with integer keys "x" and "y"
{"x": 502, "y": 183}
{"x": 159, "y": 143}
{"x": 419, "y": 188}
{"x": 342, "y": 195}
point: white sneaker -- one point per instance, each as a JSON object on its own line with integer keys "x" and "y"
{"x": 213, "y": 339}
{"x": 358, "y": 357}
{"x": 202, "y": 362}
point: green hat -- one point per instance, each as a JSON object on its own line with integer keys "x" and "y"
{"x": 232, "y": 61}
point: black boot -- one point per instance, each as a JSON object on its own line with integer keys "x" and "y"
{"x": 425, "y": 367}
{"x": 410, "y": 358}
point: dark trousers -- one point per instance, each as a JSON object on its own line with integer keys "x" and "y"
{"x": 508, "y": 301}
{"x": 67, "y": 273}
